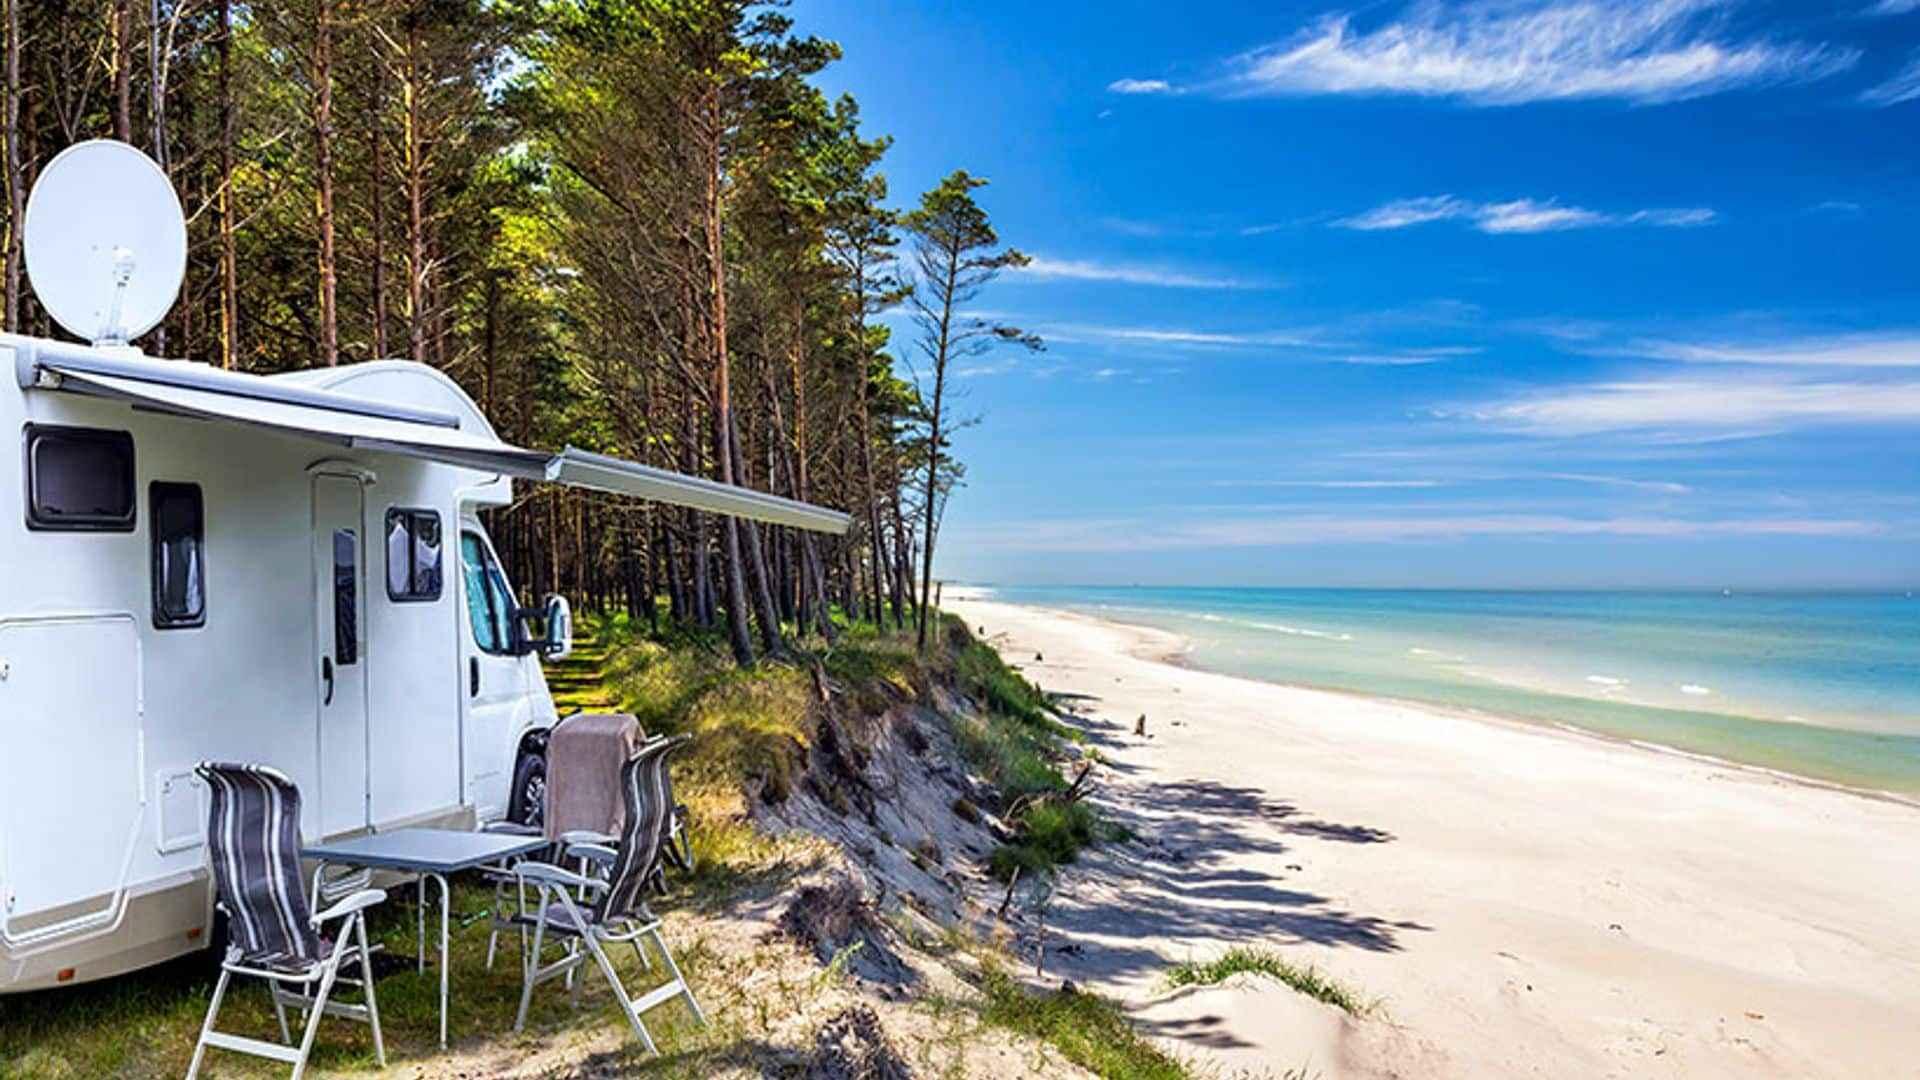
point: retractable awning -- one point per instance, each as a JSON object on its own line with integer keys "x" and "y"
{"x": 362, "y": 423}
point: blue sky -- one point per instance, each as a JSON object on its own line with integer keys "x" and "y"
{"x": 1508, "y": 293}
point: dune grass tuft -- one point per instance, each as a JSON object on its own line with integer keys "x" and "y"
{"x": 1242, "y": 959}
{"x": 1087, "y": 1029}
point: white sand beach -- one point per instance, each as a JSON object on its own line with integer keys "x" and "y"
{"x": 1518, "y": 900}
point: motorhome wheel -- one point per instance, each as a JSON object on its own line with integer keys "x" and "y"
{"x": 529, "y": 790}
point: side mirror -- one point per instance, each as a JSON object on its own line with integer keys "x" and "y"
{"x": 559, "y": 640}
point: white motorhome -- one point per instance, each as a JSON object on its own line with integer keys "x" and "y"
{"x": 200, "y": 564}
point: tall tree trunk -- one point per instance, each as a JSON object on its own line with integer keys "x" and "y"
{"x": 715, "y": 277}
{"x": 811, "y": 578}
{"x": 415, "y": 153}
{"x": 16, "y": 169}
{"x": 489, "y": 342}
{"x": 900, "y": 569}
{"x": 157, "y": 126}
{"x": 699, "y": 555}
{"x": 864, "y": 378}
{"x": 123, "y": 70}
{"x": 931, "y": 518}
{"x": 323, "y": 166}
{"x": 756, "y": 559}
{"x": 229, "y": 253}
{"x": 376, "y": 198}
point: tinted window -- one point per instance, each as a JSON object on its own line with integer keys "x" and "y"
{"x": 489, "y": 602}
{"x": 178, "y": 523}
{"x": 79, "y": 478}
{"x": 413, "y": 555}
{"x": 346, "y": 597}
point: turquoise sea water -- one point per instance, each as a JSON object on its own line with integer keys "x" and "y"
{"x": 1825, "y": 686}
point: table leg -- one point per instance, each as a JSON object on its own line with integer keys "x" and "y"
{"x": 420, "y": 912}
{"x": 446, "y": 905}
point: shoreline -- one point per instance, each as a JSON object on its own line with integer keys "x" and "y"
{"x": 1176, "y": 650}
{"x": 1519, "y": 902}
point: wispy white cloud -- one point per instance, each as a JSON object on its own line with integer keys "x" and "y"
{"x": 1401, "y": 213}
{"x": 1685, "y": 217}
{"x": 1407, "y": 357}
{"x": 1516, "y": 216}
{"x": 1903, "y": 86}
{"x": 1531, "y": 216}
{"x": 1146, "y": 336}
{"x": 1663, "y": 487}
{"x": 1349, "y": 528}
{"x": 1311, "y": 344}
{"x": 1516, "y": 51}
{"x": 1336, "y": 484}
{"x": 1734, "y": 401}
{"x": 1894, "y": 7}
{"x": 1045, "y": 267}
{"x": 1141, "y": 86}
{"x": 1885, "y": 349}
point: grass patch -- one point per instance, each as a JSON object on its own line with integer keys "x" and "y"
{"x": 1051, "y": 833}
{"x": 144, "y": 1024}
{"x": 1087, "y": 1029}
{"x": 757, "y": 724}
{"x": 1256, "y": 961}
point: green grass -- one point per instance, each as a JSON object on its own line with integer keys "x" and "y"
{"x": 1088, "y": 1030}
{"x": 1021, "y": 749}
{"x": 1242, "y": 959}
{"x": 145, "y": 1024}
{"x": 1051, "y": 833}
{"x": 754, "y": 725}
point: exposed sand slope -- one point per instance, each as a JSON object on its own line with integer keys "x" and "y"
{"x": 1521, "y": 901}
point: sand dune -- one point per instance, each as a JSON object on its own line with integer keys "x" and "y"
{"x": 1520, "y": 901}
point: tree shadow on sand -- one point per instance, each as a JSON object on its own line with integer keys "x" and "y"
{"x": 1206, "y": 864}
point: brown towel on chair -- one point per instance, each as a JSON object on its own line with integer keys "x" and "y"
{"x": 583, "y": 772}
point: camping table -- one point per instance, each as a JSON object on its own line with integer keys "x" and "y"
{"x": 425, "y": 853}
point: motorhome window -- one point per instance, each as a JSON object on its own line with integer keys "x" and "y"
{"x": 177, "y": 520}
{"x": 346, "y": 597}
{"x": 79, "y": 479}
{"x": 489, "y": 602}
{"x": 413, "y": 555}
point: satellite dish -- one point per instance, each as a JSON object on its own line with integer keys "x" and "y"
{"x": 106, "y": 241}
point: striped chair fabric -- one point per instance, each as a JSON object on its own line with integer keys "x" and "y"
{"x": 253, "y": 839}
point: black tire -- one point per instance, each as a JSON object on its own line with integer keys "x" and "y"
{"x": 528, "y": 804}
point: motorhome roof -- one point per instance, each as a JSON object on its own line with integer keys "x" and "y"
{"x": 296, "y": 408}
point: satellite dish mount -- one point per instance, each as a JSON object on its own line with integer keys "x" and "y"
{"x": 106, "y": 242}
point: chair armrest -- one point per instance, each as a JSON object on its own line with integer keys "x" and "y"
{"x": 587, "y": 836}
{"x": 549, "y": 874}
{"x": 598, "y": 853}
{"x": 510, "y": 828}
{"x": 359, "y": 901}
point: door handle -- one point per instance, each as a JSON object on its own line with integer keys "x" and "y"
{"x": 326, "y": 675}
{"x": 473, "y": 676}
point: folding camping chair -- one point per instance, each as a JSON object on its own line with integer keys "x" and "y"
{"x": 582, "y": 804}
{"x": 617, "y": 912}
{"x": 253, "y": 841}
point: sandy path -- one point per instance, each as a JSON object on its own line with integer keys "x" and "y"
{"x": 1521, "y": 901}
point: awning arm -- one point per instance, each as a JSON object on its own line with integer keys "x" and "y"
{"x": 583, "y": 468}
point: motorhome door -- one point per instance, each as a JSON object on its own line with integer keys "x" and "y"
{"x": 339, "y": 610}
{"x": 498, "y": 677}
